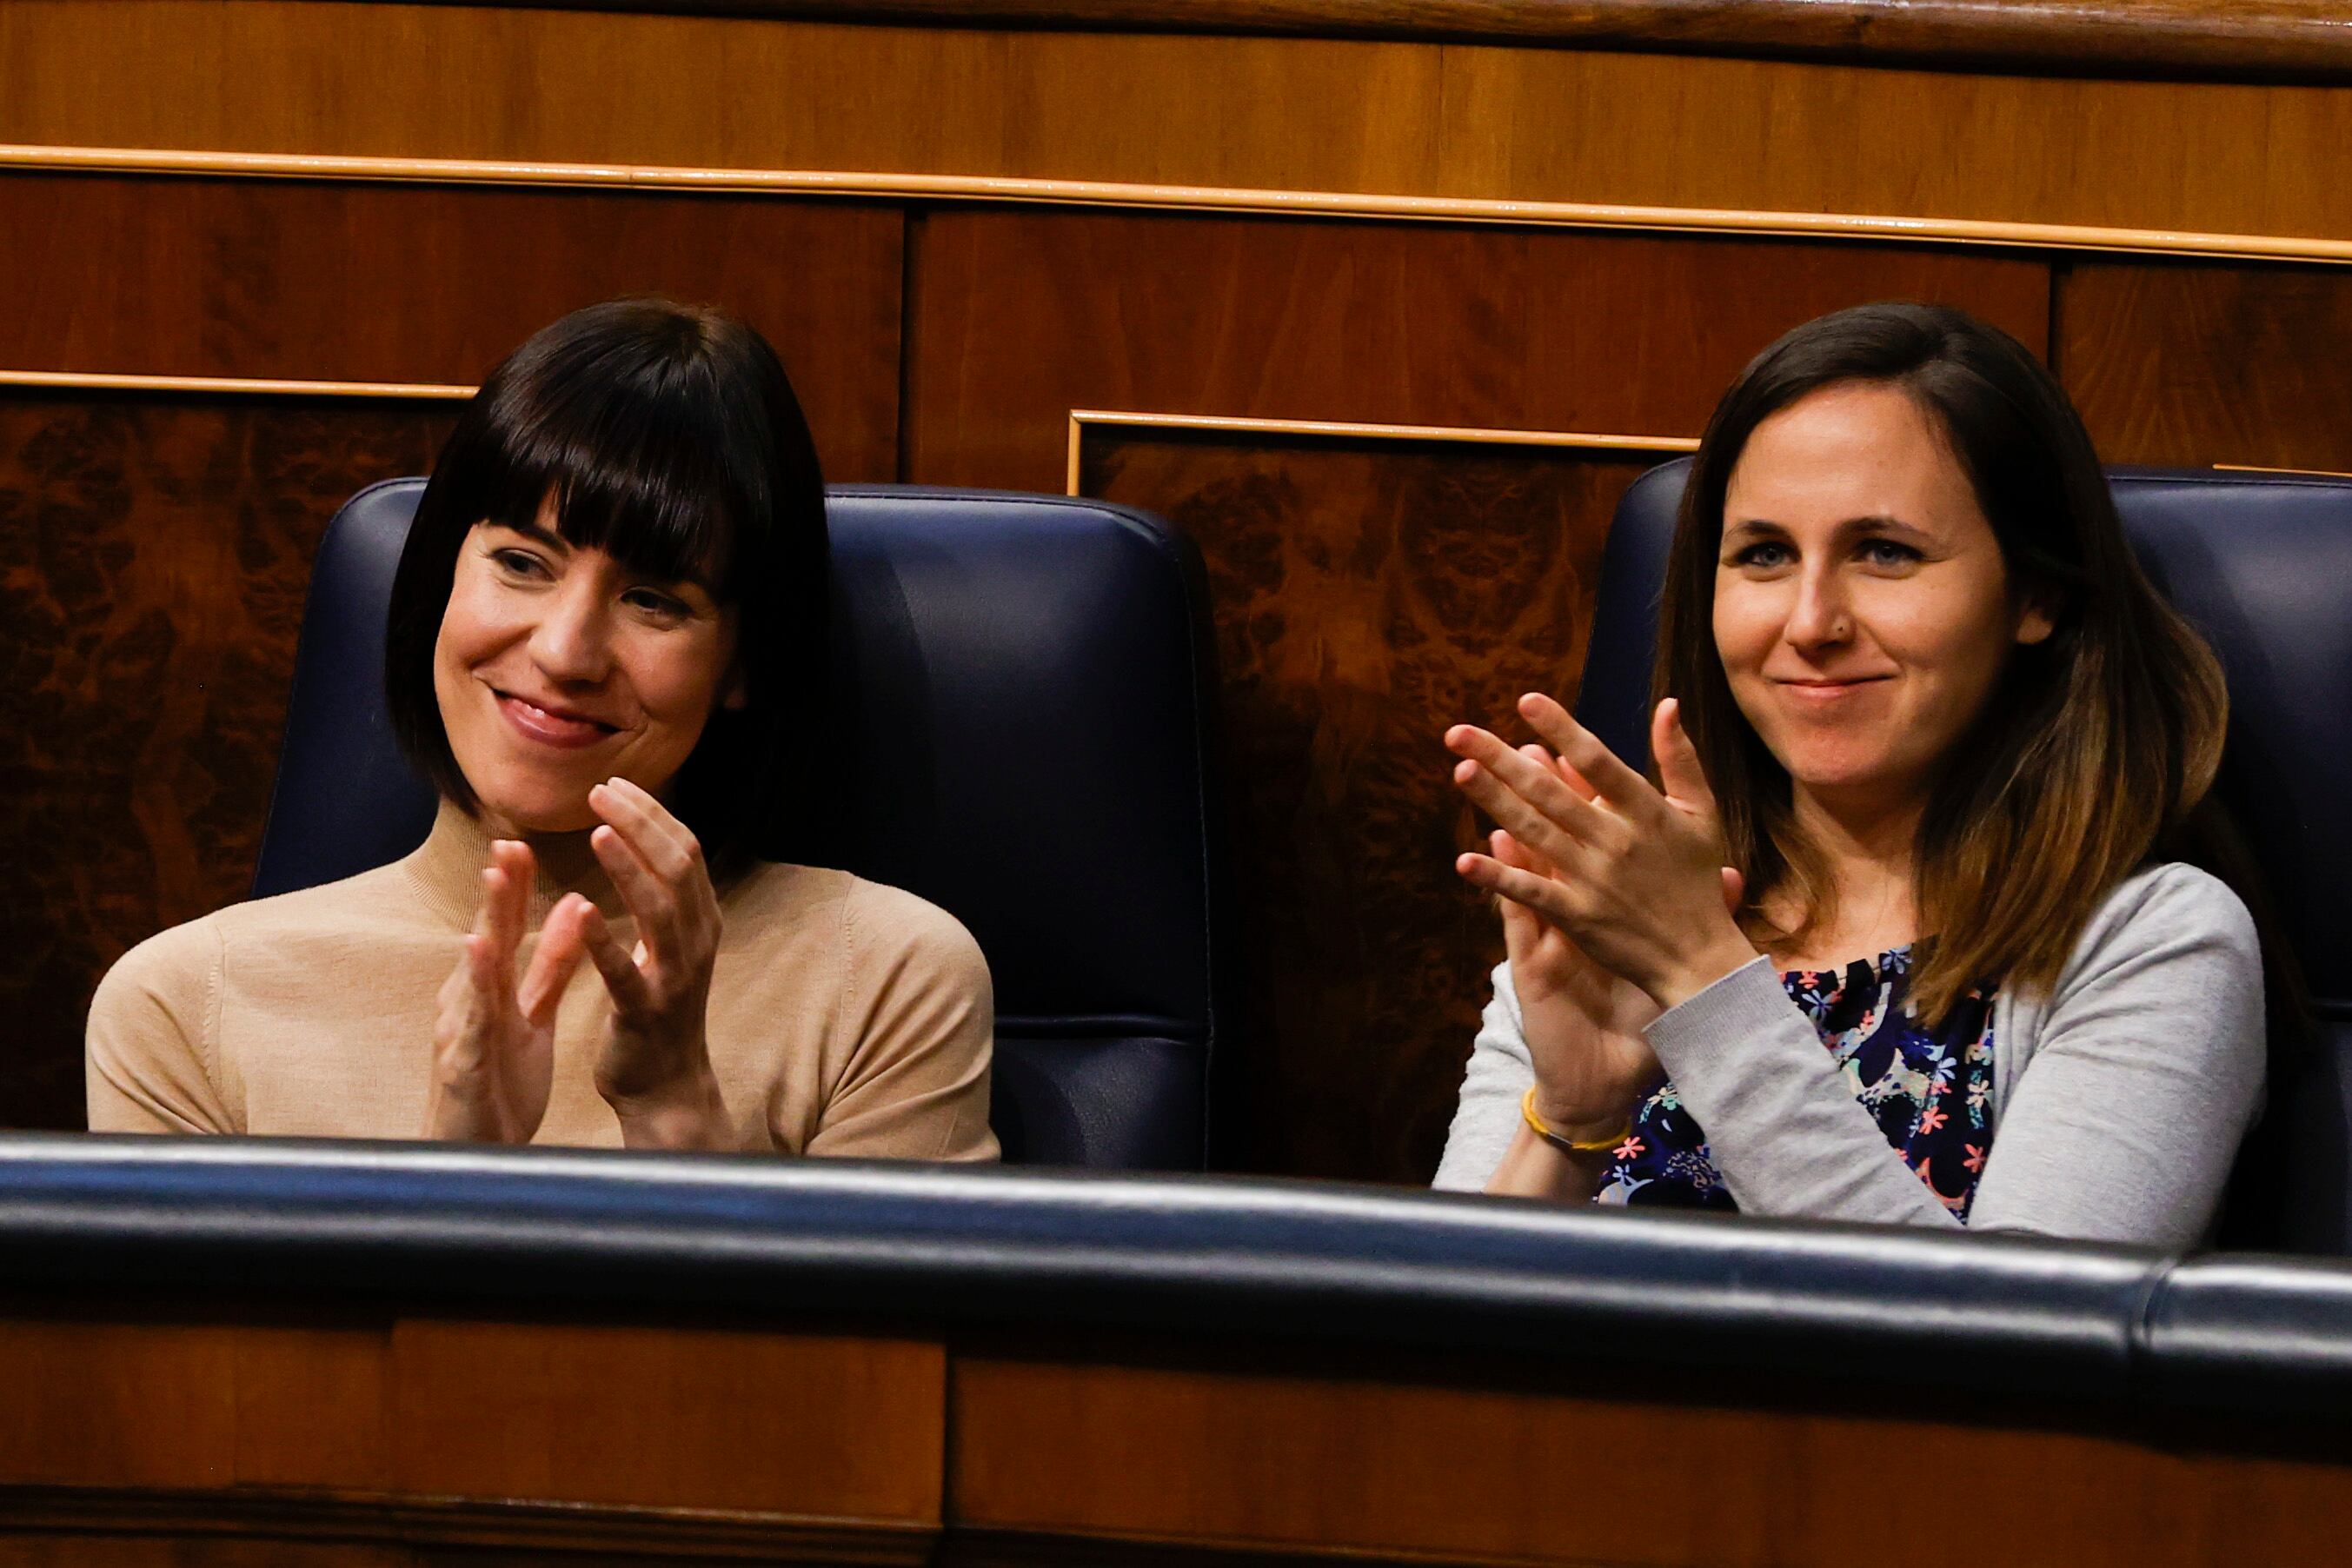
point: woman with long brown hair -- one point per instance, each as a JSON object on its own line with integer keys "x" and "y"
{"x": 1900, "y": 932}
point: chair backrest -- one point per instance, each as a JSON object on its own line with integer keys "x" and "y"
{"x": 1025, "y": 682}
{"x": 2262, "y": 565}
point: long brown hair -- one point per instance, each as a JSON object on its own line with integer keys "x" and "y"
{"x": 2098, "y": 746}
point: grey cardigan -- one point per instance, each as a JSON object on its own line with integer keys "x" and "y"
{"x": 2119, "y": 1100}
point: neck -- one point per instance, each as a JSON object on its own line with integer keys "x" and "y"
{"x": 1869, "y": 849}
{"x": 448, "y": 866}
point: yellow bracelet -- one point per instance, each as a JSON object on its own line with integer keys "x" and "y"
{"x": 1560, "y": 1141}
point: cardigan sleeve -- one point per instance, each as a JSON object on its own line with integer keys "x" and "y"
{"x": 146, "y": 1052}
{"x": 2142, "y": 1074}
{"x": 2147, "y": 1071}
{"x": 1486, "y": 1116}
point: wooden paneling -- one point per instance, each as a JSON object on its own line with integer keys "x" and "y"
{"x": 2299, "y": 39}
{"x": 1020, "y": 317}
{"x": 1538, "y": 124}
{"x": 355, "y": 282}
{"x": 153, "y": 558}
{"x": 2190, "y": 364}
{"x": 671, "y": 1417}
{"x": 1367, "y": 595}
{"x": 1273, "y": 1462}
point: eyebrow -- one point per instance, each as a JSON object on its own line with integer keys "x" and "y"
{"x": 1851, "y": 525}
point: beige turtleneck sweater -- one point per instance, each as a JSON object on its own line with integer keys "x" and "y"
{"x": 845, "y": 1017}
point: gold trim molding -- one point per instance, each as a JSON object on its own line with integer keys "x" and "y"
{"x": 1314, "y": 430}
{"x": 1185, "y": 199}
{"x": 229, "y": 386}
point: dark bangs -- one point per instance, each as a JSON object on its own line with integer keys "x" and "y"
{"x": 669, "y": 438}
{"x": 633, "y": 441}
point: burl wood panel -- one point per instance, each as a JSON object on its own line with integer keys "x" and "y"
{"x": 153, "y": 558}
{"x": 1468, "y": 1475}
{"x": 1366, "y": 595}
{"x": 672, "y": 1418}
{"x": 1480, "y": 121}
{"x": 389, "y": 283}
{"x": 2192, "y": 364}
{"x": 1020, "y": 316}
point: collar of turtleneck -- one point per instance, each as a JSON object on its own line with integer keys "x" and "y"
{"x": 447, "y": 869}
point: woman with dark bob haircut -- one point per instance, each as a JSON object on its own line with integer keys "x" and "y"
{"x": 1902, "y": 931}
{"x": 606, "y": 650}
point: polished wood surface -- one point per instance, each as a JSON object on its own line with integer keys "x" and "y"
{"x": 153, "y": 556}
{"x": 2198, "y": 364}
{"x": 2302, "y": 40}
{"x": 138, "y": 1436}
{"x": 1278, "y": 114}
{"x": 233, "y": 278}
{"x": 1020, "y": 317}
{"x": 1259, "y": 1461}
{"x": 552, "y": 1437}
{"x": 1367, "y": 595}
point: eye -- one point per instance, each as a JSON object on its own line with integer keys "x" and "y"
{"x": 657, "y": 603}
{"x": 1888, "y": 552}
{"x": 516, "y": 563}
{"x": 1765, "y": 554}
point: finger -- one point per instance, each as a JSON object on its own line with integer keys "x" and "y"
{"x": 627, "y": 982}
{"x": 508, "y": 897}
{"x": 1538, "y": 896}
{"x": 660, "y": 839}
{"x": 1522, "y": 928}
{"x": 651, "y": 899}
{"x": 1568, "y": 775}
{"x": 557, "y": 960}
{"x": 1535, "y": 829}
{"x": 1537, "y": 783}
{"x": 1679, "y": 769}
{"x": 1511, "y": 852}
{"x": 1581, "y": 749}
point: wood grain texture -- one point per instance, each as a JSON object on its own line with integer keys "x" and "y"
{"x": 1019, "y": 317}
{"x": 153, "y": 558}
{"x": 387, "y": 283}
{"x": 1275, "y": 1463}
{"x": 1366, "y": 595}
{"x": 671, "y": 1417}
{"x": 1488, "y": 122}
{"x": 2232, "y": 39}
{"x": 2189, "y": 365}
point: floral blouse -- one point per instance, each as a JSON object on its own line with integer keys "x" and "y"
{"x": 1927, "y": 1089}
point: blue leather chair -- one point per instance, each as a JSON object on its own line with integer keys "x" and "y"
{"x": 2262, "y": 565}
{"x": 1025, "y": 682}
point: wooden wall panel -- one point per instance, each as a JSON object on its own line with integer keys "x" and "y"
{"x": 1366, "y": 595}
{"x": 2193, "y": 364}
{"x": 1474, "y": 121}
{"x": 393, "y": 283}
{"x": 1020, "y": 316}
{"x": 153, "y": 558}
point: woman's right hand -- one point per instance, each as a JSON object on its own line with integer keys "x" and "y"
{"x": 1582, "y": 1025}
{"x": 493, "y": 1037}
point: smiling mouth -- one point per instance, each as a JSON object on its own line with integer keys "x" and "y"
{"x": 550, "y": 726}
{"x": 1827, "y": 689}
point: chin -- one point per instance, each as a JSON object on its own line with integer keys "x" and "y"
{"x": 538, "y": 810}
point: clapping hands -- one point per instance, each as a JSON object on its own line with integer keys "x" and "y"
{"x": 494, "y": 1036}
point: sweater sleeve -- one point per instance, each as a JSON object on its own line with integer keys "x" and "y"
{"x": 146, "y": 1056}
{"x": 2145, "y": 1072}
{"x": 2149, "y": 1071}
{"x": 1486, "y": 1117}
{"x": 919, "y": 1001}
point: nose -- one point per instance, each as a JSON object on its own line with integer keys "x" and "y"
{"x": 573, "y": 642}
{"x": 1821, "y": 618}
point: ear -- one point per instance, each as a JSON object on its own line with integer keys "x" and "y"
{"x": 734, "y": 696}
{"x": 2036, "y": 619}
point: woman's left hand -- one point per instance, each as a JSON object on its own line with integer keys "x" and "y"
{"x": 654, "y": 1066}
{"x": 1637, "y": 879}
